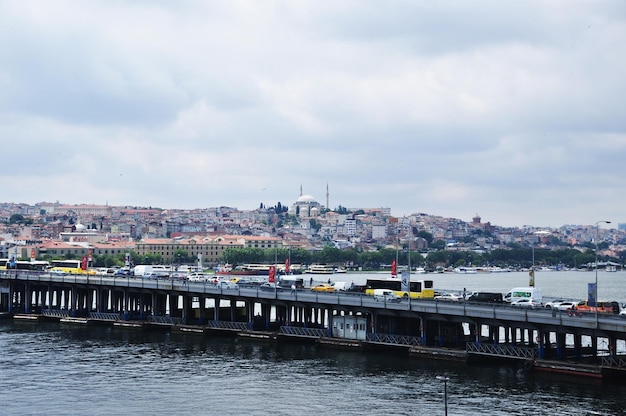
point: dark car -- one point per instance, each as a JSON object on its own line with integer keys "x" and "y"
{"x": 487, "y": 297}
{"x": 270, "y": 287}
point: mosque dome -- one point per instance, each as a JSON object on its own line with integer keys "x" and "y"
{"x": 80, "y": 227}
{"x": 306, "y": 199}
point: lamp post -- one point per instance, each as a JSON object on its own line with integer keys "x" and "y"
{"x": 596, "y": 241}
{"x": 445, "y": 392}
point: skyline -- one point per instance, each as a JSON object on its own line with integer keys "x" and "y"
{"x": 448, "y": 109}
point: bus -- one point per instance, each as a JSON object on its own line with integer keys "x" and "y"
{"x": 32, "y": 265}
{"x": 419, "y": 289}
{"x": 70, "y": 267}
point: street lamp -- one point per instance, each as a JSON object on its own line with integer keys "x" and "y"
{"x": 596, "y": 241}
{"x": 445, "y": 392}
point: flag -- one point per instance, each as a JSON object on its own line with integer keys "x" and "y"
{"x": 272, "y": 274}
{"x": 32, "y": 254}
{"x": 591, "y": 294}
{"x": 531, "y": 277}
{"x": 287, "y": 266}
{"x": 83, "y": 263}
{"x": 404, "y": 284}
{"x": 394, "y": 268}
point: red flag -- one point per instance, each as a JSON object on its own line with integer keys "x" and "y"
{"x": 394, "y": 271}
{"x": 287, "y": 266}
{"x": 32, "y": 254}
{"x": 83, "y": 263}
{"x": 272, "y": 274}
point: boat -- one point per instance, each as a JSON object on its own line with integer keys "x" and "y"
{"x": 465, "y": 270}
{"x": 228, "y": 270}
{"x": 320, "y": 269}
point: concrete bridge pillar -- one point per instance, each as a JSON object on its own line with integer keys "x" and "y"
{"x": 27, "y": 298}
{"x": 578, "y": 345}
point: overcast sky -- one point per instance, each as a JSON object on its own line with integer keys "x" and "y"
{"x": 450, "y": 108}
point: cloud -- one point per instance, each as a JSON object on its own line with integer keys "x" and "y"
{"x": 451, "y": 109}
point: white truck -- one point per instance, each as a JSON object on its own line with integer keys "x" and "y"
{"x": 518, "y": 293}
{"x": 386, "y": 295}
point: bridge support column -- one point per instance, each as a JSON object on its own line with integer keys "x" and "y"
{"x": 494, "y": 334}
{"x": 330, "y": 322}
{"x": 560, "y": 345}
{"x": 27, "y": 297}
{"x": 578, "y": 345}
{"x": 74, "y": 302}
{"x": 594, "y": 345}
{"x": 202, "y": 310}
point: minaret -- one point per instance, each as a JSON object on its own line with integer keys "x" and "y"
{"x": 327, "y": 202}
{"x": 300, "y": 189}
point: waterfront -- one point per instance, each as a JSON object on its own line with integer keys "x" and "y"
{"x": 74, "y": 369}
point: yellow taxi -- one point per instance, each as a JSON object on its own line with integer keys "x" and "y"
{"x": 323, "y": 287}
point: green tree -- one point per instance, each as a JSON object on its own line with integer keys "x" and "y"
{"x": 16, "y": 219}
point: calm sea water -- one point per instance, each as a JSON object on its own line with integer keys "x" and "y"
{"x": 63, "y": 369}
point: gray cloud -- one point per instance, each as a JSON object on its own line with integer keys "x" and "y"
{"x": 513, "y": 112}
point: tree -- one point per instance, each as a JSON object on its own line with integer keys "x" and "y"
{"x": 16, "y": 219}
{"x": 426, "y": 236}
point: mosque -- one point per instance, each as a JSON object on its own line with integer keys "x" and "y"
{"x": 307, "y": 207}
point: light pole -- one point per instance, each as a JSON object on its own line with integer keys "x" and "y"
{"x": 596, "y": 241}
{"x": 445, "y": 392}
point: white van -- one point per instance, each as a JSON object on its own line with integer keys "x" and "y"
{"x": 342, "y": 286}
{"x": 518, "y": 293}
{"x": 386, "y": 295}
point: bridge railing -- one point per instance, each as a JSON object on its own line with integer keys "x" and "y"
{"x": 105, "y": 316}
{"x": 617, "y": 361}
{"x": 305, "y": 332}
{"x": 394, "y": 339}
{"x": 505, "y": 351}
{"x": 56, "y": 313}
{"x": 164, "y": 320}
{"x": 241, "y": 326}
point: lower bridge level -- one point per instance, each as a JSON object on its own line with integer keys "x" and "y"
{"x": 530, "y": 357}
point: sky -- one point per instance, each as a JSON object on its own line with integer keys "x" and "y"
{"x": 514, "y": 111}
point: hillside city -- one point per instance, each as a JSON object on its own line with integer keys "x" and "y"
{"x": 57, "y": 230}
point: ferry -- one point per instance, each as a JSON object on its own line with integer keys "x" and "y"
{"x": 465, "y": 270}
{"x": 229, "y": 270}
{"x": 320, "y": 269}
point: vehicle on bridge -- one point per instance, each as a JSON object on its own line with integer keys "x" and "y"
{"x": 526, "y": 303}
{"x": 386, "y": 295}
{"x": 323, "y": 287}
{"x": 519, "y": 293}
{"x": 72, "y": 266}
{"x": 423, "y": 289}
{"x": 32, "y": 265}
{"x": 487, "y": 297}
{"x": 603, "y": 307}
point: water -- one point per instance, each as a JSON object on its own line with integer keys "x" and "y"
{"x": 54, "y": 369}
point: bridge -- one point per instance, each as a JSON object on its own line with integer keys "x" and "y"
{"x": 475, "y": 329}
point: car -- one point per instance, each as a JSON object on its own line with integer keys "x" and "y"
{"x": 384, "y": 295}
{"x": 526, "y": 303}
{"x": 267, "y": 286}
{"x": 225, "y": 285}
{"x": 323, "y": 287}
{"x": 566, "y": 305}
{"x": 622, "y": 313}
{"x": 554, "y": 303}
{"x": 449, "y": 296}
